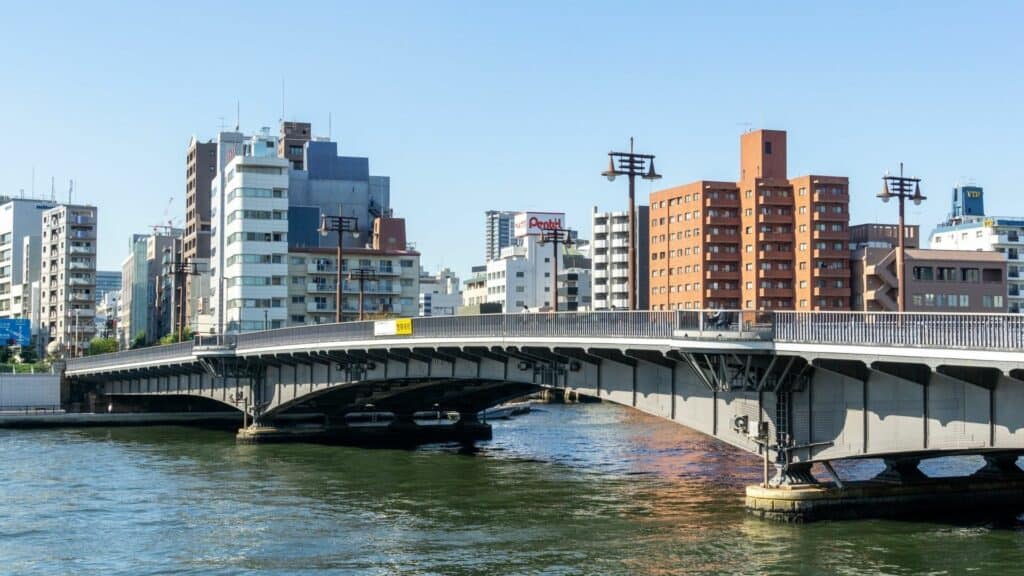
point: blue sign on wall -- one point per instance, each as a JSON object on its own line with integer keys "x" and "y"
{"x": 15, "y": 331}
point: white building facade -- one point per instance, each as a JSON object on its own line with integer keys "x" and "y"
{"x": 609, "y": 247}
{"x": 523, "y": 275}
{"x": 20, "y": 218}
{"x": 989, "y": 234}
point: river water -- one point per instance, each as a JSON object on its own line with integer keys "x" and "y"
{"x": 584, "y": 489}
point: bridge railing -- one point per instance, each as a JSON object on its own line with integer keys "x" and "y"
{"x": 127, "y": 357}
{"x": 915, "y": 330}
{"x": 315, "y": 334}
{"x": 550, "y": 325}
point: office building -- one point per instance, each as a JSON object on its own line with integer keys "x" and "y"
{"x": 609, "y": 254}
{"x": 19, "y": 218}
{"x": 522, "y": 277}
{"x": 764, "y": 242}
{"x": 936, "y": 280}
{"x": 68, "y": 277}
{"x": 390, "y": 288}
{"x": 499, "y": 233}
{"x": 107, "y": 281}
{"x": 142, "y": 314}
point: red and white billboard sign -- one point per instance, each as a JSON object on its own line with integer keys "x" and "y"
{"x": 533, "y": 223}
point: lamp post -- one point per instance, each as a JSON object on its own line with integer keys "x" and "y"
{"x": 632, "y": 165}
{"x": 339, "y": 224}
{"x": 556, "y": 236}
{"x": 362, "y": 274}
{"x": 900, "y": 187}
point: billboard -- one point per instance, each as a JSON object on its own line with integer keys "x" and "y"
{"x": 15, "y": 332}
{"x": 532, "y": 223}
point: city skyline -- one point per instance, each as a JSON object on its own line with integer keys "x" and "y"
{"x": 465, "y": 112}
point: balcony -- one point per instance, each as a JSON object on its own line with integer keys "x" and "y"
{"x": 831, "y": 273}
{"x": 1008, "y": 239}
{"x": 600, "y": 243}
{"x": 775, "y": 236}
{"x": 81, "y": 282}
{"x": 76, "y": 296}
{"x": 321, "y": 268}
{"x": 776, "y": 273}
{"x": 82, "y": 250}
{"x": 624, "y": 228}
{"x": 774, "y": 218}
{"x": 775, "y": 292}
{"x": 600, "y": 228}
{"x": 320, "y": 307}
{"x": 831, "y": 216}
{"x": 823, "y": 196}
{"x": 831, "y": 291}
{"x": 722, "y": 274}
{"x": 599, "y": 273}
{"x": 775, "y": 254}
{"x": 829, "y": 253}
{"x": 722, "y": 220}
{"x": 721, "y": 237}
{"x": 721, "y": 292}
{"x": 620, "y": 258}
{"x": 776, "y": 200}
{"x": 831, "y": 235}
{"x": 721, "y": 202}
{"x": 722, "y": 256}
{"x": 321, "y": 287}
{"x": 82, "y": 221}
{"x": 80, "y": 265}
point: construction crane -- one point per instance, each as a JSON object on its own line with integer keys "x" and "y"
{"x": 162, "y": 228}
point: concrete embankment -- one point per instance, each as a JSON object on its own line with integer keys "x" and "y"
{"x": 925, "y": 498}
{"x": 86, "y": 419}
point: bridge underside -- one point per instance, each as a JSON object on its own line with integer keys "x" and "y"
{"x": 801, "y": 408}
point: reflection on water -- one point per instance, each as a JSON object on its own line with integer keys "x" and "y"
{"x": 587, "y": 489}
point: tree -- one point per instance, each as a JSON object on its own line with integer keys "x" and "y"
{"x": 172, "y": 337}
{"x": 101, "y": 346}
{"x": 139, "y": 341}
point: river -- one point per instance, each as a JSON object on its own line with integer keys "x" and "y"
{"x": 578, "y": 489}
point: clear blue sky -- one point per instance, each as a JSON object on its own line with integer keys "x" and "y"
{"x": 470, "y": 106}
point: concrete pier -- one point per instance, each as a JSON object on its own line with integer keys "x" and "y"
{"x": 397, "y": 434}
{"x": 928, "y": 497}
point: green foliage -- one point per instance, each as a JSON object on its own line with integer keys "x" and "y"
{"x": 171, "y": 338}
{"x": 139, "y": 341}
{"x": 101, "y": 346}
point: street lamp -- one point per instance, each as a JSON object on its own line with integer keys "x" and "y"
{"x": 339, "y": 224}
{"x": 556, "y": 236}
{"x": 900, "y": 187}
{"x": 362, "y": 274}
{"x": 632, "y": 165}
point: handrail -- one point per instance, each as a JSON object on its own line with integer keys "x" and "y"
{"x": 982, "y": 331}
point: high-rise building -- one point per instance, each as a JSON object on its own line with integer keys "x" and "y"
{"x": 107, "y": 281}
{"x": 200, "y": 169}
{"x": 763, "y": 242}
{"x": 292, "y": 141}
{"x": 250, "y": 238}
{"x": 499, "y": 233}
{"x": 609, "y": 253}
{"x": 68, "y": 277}
{"x": 19, "y": 217}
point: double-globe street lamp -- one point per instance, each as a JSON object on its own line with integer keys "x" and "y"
{"x": 556, "y": 236}
{"x": 632, "y": 165}
{"x": 901, "y": 187}
{"x": 340, "y": 224}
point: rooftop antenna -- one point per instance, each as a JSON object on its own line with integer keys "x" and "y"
{"x": 746, "y": 126}
{"x": 328, "y": 125}
{"x": 238, "y": 115}
{"x": 53, "y": 190}
{"x": 71, "y": 188}
{"x": 222, "y": 124}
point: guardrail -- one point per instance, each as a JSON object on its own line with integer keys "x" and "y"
{"x": 997, "y": 332}
{"x": 918, "y": 330}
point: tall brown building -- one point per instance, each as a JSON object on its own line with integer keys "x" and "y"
{"x": 294, "y": 136}
{"x": 765, "y": 242}
{"x": 200, "y": 168}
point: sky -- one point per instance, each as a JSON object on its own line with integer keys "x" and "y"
{"x": 471, "y": 106}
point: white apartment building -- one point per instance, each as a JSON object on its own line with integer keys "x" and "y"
{"x": 609, "y": 247}
{"x": 251, "y": 240}
{"x": 19, "y": 218}
{"x": 439, "y": 294}
{"x": 989, "y": 234}
{"x": 523, "y": 275}
{"x": 68, "y": 277}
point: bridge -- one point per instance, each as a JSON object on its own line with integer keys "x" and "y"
{"x": 796, "y": 388}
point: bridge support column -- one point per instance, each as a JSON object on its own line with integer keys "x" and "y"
{"x": 901, "y": 471}
{"x": 1000, "y": 466}
{"x": 793, "y": 475}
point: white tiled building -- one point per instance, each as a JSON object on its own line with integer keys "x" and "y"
{"x": 68, "y": 277}
{"x": 989, "y": 234}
